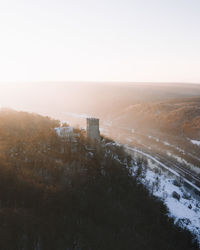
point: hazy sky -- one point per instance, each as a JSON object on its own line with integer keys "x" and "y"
{"x": 104, "y": 40}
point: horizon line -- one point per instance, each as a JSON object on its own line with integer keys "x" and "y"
{"x": 84, "y": 81}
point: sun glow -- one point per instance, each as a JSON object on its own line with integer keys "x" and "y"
{"x": 100, "y": 41}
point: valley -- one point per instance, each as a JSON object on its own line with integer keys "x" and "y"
{"x": 157, "y": 126}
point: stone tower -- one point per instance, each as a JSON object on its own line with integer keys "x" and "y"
{"x": 93, "y": 129}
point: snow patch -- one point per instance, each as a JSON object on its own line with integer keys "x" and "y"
{"x": 186, "y": 212}
{"x": 195, "y": 142}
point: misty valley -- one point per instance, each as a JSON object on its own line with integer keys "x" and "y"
{"x": 129, "y": 178}
{"x": 99, "y": 125}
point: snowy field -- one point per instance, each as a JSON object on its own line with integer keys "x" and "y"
{"x": 166, "y": 185}
{"x": 184, "y": 208}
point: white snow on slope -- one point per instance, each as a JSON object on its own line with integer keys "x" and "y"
{"x": 186, "y": 212}
{"x": 195, "y": 142}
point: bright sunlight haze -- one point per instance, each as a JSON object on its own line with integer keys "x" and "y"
{"x": 104, "y": 40}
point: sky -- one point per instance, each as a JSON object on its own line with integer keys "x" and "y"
{"x": 107, "y": 40}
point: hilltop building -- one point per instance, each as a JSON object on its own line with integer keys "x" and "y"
{"x": 93, "y": 129}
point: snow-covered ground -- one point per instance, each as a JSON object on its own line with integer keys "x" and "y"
{"x": 185, "y": 211}
{"x": 185, "y": 207}
{"x": 195, "y": 142}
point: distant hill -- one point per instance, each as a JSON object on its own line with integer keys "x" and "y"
{"x": 98, "y": 99}
{"x": 180, "y": 116}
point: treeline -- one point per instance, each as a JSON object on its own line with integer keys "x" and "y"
{"x": 174, "y": 117}
{"x": 58, "y": 194}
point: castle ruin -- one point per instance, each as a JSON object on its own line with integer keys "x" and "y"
{"x": 93, "y": 129}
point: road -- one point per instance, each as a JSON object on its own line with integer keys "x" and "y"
{"x": 158, "y": 156}
{"x": 187, "y": 176}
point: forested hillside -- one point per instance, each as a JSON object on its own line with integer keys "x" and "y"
{"x": 58, "y": 194}
{"x": 179, "y": 116}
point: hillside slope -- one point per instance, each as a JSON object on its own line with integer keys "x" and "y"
{"x": 61, "y": 194}
{"x": 180, "y": 116}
